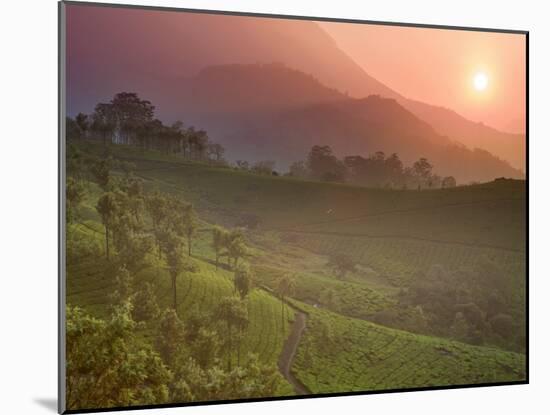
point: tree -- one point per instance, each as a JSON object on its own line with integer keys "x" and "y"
{"x": 132, "y": 114}
{"x": 145, "y": 304}
{"x": 73, "y": 131}
{"x": 189, "y": 220}
{"x": 234, "y": 314}
{"x": 107, "y": 209}
{"x": 216, "y": 151}
{"x": 104, "y": 121}
{"x": 422, "y": 169}
{"x": 124, "y": 372}
{"x": 324, "y": 165}
{"x": 179, "y": 138}
{"x": 377, "y": 170}
{"x": 101, "y": 170}
{"x": 75, "y": 195}
{"x": 124, "y": 290}
{"x": 341, "y": 264}
{"x": 235, "y": 246}
{"x": 251, "y": 380}
{"x": 171, "y": 336}
{"x": 156, "y": 205}
{"x": 186, "y": 141}
{"x": 83, "y": 122}
{"x": 149, "y": 133}
{"x": 205, "y": 347}
{"x": 198, "y": 143}
{"x": 131, "y": 243}
{"x": 298, "y": 169}
{"x": 393, "y": 167}
{"x": 243, "y": 280}
{"x": 172, "y": 248}
{"x": 195, "y": 319}
{"x": 133, "y": 188}
{"x": 448, "y": 181}
{"x": 219, "y": 237}
{"x": 285, "y": 288}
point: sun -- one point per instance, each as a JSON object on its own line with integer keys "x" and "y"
{"x": 481, "y": 81}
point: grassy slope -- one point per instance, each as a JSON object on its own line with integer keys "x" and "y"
{"x": 295, "y": 205}
{"x": 339, "y": 354}
{"x": 394, "y": 232}
{"x": 311, "y": 220}
{"x": 89, "y": 284}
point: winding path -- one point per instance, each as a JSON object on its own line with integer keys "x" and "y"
{"x": 289, "y": 352}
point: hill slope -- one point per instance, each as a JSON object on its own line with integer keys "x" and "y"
{"x": 340, "y": 354}
{"x": 300, "y": 224}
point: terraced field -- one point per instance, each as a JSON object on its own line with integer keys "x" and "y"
{"x": 468, "y": 215}
{"x": 394, "y": 238}
{"x": 399, "y": 258}
{"x": 89, "y": 286}
{"x": 339, "y": 354}
{"x": 349, "y": 298}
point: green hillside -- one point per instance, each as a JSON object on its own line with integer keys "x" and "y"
{"x": 90, "y": 282}
{"x": 340, "y": 354}
{"x": 478, "y": 212}
{"x": 434, "y": 296}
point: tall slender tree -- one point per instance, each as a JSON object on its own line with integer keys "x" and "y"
{"x": 172, "y": 247}
{"x": 234, "y": 314}
{"x": 236, "y": 248}
{"x": 75, "y": 195}
{"x": 219, "y": 236}
{"x": 242, "y": 280}
{"x": 285, "y": 288}
{"x": 157, "y": 207}
{"x": 189, "y": 219}
{"x": 83, "y": 122}
{"x": 104, "y": 122}
{"x": 107, "y": 209}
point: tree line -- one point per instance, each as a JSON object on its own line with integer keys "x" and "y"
{"x": 128, "y": 119}
{"x": 376, "y": 170}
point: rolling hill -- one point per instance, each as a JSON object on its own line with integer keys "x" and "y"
{"x": 299, "y": 223}
{"x": 90, "y": 284}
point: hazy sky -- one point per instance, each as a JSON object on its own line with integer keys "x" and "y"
{"x": 439, "y": 67}
{"x": 109, "y": 47}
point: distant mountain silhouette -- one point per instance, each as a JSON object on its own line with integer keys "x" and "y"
{"x": 275, "y": 112}
{"x": 156, "y": 53}
{"x": 254, "y": 88}
{"x": 508, "y": 146}
{"x": 151, "y": 52}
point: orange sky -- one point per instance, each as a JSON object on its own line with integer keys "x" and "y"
{"x": 438, "y": 67}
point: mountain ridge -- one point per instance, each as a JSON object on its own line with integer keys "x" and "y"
{"x": 285, "y": 128}
{"x": 131, "y": 53}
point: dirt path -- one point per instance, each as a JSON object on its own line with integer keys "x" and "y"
{"x": 289, "y": 352}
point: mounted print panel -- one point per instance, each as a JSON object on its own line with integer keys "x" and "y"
{"x": 261, "y": 207}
